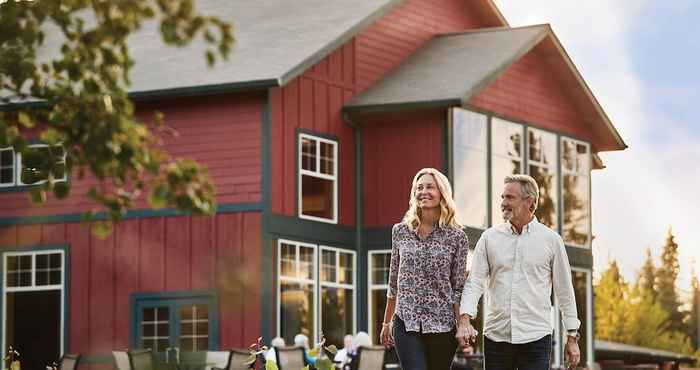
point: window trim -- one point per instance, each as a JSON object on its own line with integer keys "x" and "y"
{"x": 555, "y": 167}
{"x": 281, "y": 278}
{"x": 371, "y": 288}
{"x": 562, "y": 172}
{"x": 63, "y": 251}
{"x": 138, "y": 300}
{"x": 317, "y": 174}
{"x": 14, "y": 168}
{"x": 352, "y": 286}
{"x": 523, "y": 160}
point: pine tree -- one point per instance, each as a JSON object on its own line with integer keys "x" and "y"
{"x": 610, "y": 305}
{"x": 666, "y": 277}
{"x": 693, "y": 323}
{"x": 647, "y": 276}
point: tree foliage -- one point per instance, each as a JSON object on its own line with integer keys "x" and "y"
{"x": 666, "y": 280}
{"x": 78, "y": 98}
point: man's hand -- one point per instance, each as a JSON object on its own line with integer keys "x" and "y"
{"x": 386, "y": 337}
{"x": 573, "y": 354}
{"x": 465, "y": 334}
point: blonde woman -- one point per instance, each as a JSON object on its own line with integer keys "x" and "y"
{"x": 426, "y": 276}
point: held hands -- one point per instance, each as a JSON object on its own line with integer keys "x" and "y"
{"x": 465, "y": 334}
{"x": 386, "y": 337}
{"x": 573, "y": 354}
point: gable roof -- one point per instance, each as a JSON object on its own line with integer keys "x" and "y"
{"x": 453, "y": 68}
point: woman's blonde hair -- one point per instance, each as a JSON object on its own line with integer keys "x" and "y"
{"x": 448, "y": 212}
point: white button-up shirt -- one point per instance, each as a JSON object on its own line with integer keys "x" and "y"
{"x": 516, "y": 274}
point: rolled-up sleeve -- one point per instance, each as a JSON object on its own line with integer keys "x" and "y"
{"x": 474, "y": 286}
{"x": 459, "y": 267}
{"x": 563, "y": 286}
{"x": 394, "y": 265}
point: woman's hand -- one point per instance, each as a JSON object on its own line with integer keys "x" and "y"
{"x": 386, "y": 337}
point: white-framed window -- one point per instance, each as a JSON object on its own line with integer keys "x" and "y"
{"x": 315, "y": 297}
{"x": 31, "y": 166}
{"x": 470, "y": 163}
{"x": 576, "y": 192}
{"x": 7, "y": 167}
{"x": 379, "y": 263}
{"x": 318, "y": 179}
{"x": 338, "y": 298}
{"x": 583, "y": 290}
{"x": 507, "y": 158}
{"x": 542, "y": 164}
{"x": 34, "y": 301}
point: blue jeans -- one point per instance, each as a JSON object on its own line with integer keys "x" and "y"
{"x": 527, "y": 356}
{"x": 423, "y": 351}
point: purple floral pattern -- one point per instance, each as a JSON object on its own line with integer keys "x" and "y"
{"x": 427, "y": 276}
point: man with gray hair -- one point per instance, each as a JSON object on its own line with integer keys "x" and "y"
{"x": 516, "y": 265}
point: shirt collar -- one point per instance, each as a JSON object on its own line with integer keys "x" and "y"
{"x": 509, "y": 228}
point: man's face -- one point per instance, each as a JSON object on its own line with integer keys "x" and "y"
{"x": 513, "y": 206}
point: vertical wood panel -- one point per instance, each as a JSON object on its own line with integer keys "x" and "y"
{"x": 8, "y": 236}
{"x": 202, "y": 252}
{"x": 277, "y": 148}
{"x": 79, "y": 315}
{"x": 228, "y": 268}
{"x": 152, "y": 252}
{"x": 28, "y": 235}
{"x": 127, "y": 277}
{"x": 53, "y": 233}
{"x": 321, "y": 106}
{"x": 306, "y": 103}
{"x": 291, "y": 122}
{"x": 177, "y": 253}
{"x": 251, "y": 256}
{"x": 102, "y": 294}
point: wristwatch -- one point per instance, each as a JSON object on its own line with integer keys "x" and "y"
{"x": 574, "y": 334}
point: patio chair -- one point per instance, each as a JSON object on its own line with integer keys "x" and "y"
{"x": 141, "y": 359}
{"x": 370, "y": 358}
{"x": 69, "y": 362}
{"x": 121, "y": 360}
{"x": 290, "y": 358}
{"x": 239, "y": 357}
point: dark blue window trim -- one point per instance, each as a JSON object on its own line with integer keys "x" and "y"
{"x": 138, "y": 301}
{"x": 66, "y": 284}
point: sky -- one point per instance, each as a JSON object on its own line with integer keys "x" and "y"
{"x": 640, "y": 58}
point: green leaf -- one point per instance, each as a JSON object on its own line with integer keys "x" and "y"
{"x": 102, "y": 229}
{"x": 61, "y": 190}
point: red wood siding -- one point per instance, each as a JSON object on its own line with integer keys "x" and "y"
{"x": 397, "y": 35}
{"x": 313, "y": 102}
{"x": 528, "y": 91}
{"x": 415, "y": 141}
{"x": 155, "y": 255}
{"x": 223, "y": 133}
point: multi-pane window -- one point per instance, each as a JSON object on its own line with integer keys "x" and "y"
{"x": 337, "y": 294}
{"x": 469, "y": 159}
{"x": 542, "y": 166}
{"x": 34, "y": 270}
{"x": 39, "y": 163}
{"x": 379, "y": 262}
{"x": 318, "y": 178}
{"x": 507, "y": 155}
{"x": 575, "y": 192}
{"x": 176, "y": 322}
{"x": 7, "y": 167}
{"x": 313, "y": 302}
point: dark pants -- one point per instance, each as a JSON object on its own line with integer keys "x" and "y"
{"x": 527, "y": 356}
{"x": 423, "y": 351}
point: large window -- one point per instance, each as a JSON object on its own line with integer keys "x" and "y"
{"x": 311, "y": 299}
{"x": 34, "y": 305}
{"x": 470, "y": 166}
{"x": 575, "y": 173}
{"x": 379, "y": 262}
{"x": 318, "y": 179}
{"x": 583, "y": 290}
{"x": 39, "y": 163}
{"x": 542, "y": 166}
{"x": 507, "y": 155}
{"x": 182, "y": 321}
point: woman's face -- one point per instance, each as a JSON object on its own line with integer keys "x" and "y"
{"x": 427, "y": 193}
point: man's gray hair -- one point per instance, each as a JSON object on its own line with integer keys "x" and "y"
{"x": 528, "y": 186}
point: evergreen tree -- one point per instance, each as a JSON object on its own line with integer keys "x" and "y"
{"x": 610, "y": 305}
{"x": 693, "y": 324}
{"x": 647, "y": 276}
{"x": 666, "y": 277}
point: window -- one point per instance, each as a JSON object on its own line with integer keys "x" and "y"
{"x": 542, "y": 166}
{"x": 506, "y": 159}
{"x": 311, "y": 299}
{"x": 318, "y": 179}
{"x": 379, "y": 262}
{"x": 469, "y": 159}
{"x": 38, "y": 163}
{"x": 575, "y": 192}
{"x": 186, "y": 321}
{"x": 33, "y": 302}
{"x": 583, "y": 290}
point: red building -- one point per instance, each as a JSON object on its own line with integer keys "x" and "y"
{"x": 312, "y": 132}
